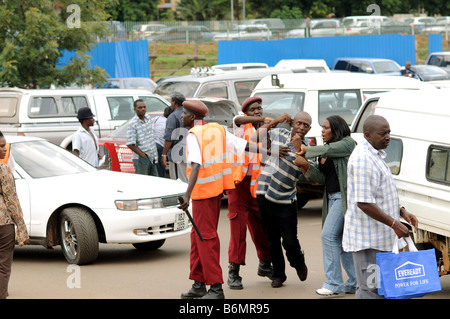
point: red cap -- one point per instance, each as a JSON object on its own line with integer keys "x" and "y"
{"x": 249, "y": 101}
{"x": 196, "y": 106}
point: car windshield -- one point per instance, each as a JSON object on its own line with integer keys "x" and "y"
{"x": 186, "y": 88}
{"x": 282, "y": 102}
{"x": 43, "y": 159}
{"x": 429, "y": 71}
{"x": 386, "y": 66}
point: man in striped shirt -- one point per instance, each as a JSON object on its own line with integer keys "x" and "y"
{"x": 276, "y": 195}
{"x": 141, "y": 141}
{"x": 373, "y": 210}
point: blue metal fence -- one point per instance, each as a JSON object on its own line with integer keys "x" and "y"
{"x": 119, "y": 59}
{"x": 400, "y": 48}
{"x": 434, "y": 43}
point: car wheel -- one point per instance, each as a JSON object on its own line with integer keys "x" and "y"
{"x": 79, "y": 237}
{"x": 151, "y": 245}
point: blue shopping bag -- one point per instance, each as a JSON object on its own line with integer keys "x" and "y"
{"x": 409, "y": 274}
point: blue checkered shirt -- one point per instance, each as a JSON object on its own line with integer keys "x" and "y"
{"x": 369, "y": 181}
{"x": 140, "y": 133}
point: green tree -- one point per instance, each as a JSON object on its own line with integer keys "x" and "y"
{"x": 202, "y": 10}
{"x": 134, "y": 10}
{"x": 34, "y": 34}
{"x": 287, "y": 13}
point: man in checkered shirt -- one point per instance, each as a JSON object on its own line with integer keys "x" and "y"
{"x": 372, "y": 217}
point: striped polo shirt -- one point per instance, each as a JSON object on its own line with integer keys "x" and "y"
{"x": 140, "y": 133}
{"x": 279, "y": 176}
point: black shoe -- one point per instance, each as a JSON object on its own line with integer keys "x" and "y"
{"x": 302, "y": 272}
{"x": 198, "y": 290}
{"x": 214, "y": 292}
{"x": 234, "y": 280}
{"x": 278, "y": 282}
{"x": 265, "y": 269}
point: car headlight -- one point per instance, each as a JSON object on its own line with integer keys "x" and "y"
{"x": 138, "y": 204}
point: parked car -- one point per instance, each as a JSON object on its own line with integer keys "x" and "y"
{"x": 373, "y": 20}
{"x": 361, "y": 27}
{"x": 420, "y": 23}
{"x": 367, "y": 65}
{"x": 118, "y": 157}
{"x": 442, "y": 25}
{"x": 183, "y": 34}
{"x": 361, "y": 24}
{"x": 231, "y": 85}
{"x": 319, "y": 28}
{"x": 144, "y": 31}
{"x": 67, "y": 202}
{"x": 52, "y": 114}
{"x": 419, "y": 161}
{"x": 440, "y": 59}
{"x": 275, "y": 25}
{"x": 220, "y": 111}
{"x": 323, "y": 95}
{"x": 239, "y": 66}
{"x": 245, "y": 32}
{"x": 390, "y": 27}
{"x": 309, "y": 65}
{"x": 130, "y": 83}
{"x": 430, "y": 73}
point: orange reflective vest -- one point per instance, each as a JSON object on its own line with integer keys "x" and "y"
{"x": 240, "y": 165}
{"x": 215, "y": 173}
{"x": 5, "y": 160}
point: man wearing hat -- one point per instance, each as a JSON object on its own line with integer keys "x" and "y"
{"x": 84, "y": 140}
{"x": 209, "y": 174}
{"x": 242, "y": 206}
{"x": 174, "y": 150}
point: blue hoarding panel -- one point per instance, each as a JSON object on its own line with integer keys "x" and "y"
{"x": 434, "y": 43}
{"x": 119, "y": 59}
{"x": 400, "y": 48}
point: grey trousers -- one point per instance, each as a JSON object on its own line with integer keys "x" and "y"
{"x": 366, "y": 274}
{"x": 7, "y": 242}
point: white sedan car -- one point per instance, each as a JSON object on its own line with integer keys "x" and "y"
{"x": 245, "y": 32}
{"x": 67, "y": 202}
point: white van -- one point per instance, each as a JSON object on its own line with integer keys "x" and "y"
{"x": 234, "y": 85}
{"x": 309, "y": 65}
{"x": 325, "y": 94}
{"x": 419, "y": 158}
{"x": 52, "y": 114}
{"x": 372, "y": 20}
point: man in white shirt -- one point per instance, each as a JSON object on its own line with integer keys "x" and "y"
{"x": 84, "y": 141}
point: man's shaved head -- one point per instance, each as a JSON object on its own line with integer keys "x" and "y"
{"x": 377, "y": 131}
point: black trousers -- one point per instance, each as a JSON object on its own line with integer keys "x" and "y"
{"x": 280, "y": 225}
{"x": 7, "y": 242}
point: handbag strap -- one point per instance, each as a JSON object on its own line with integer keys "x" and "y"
{"x": 409, "y": 242}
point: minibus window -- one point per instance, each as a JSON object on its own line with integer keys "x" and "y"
{"x": 394, "y": 154}
{"x": 345, "y": 103}
{"x": 438, "y": 164}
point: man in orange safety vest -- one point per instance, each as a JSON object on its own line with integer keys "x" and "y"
{"x": 242, "y": 206}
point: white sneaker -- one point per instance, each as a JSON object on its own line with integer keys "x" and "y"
{"x": 326, "y": 292}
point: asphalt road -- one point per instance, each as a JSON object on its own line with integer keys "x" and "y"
{"x": 122, "y": 272}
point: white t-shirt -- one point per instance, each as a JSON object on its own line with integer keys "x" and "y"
{"x": 86, "y": 145}
{"x": 235, "y": 145}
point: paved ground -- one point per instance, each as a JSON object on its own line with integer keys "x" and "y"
{"x": 122, "y": 272}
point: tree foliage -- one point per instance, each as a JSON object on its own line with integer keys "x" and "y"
{"x": 34, "y": 34}
{"x": 134, "y": 10}
{"x": 201, "y": 10}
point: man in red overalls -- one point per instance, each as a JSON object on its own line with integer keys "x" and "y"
{"x": 209, "y": 174}
{"x": 242, "y": 207}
